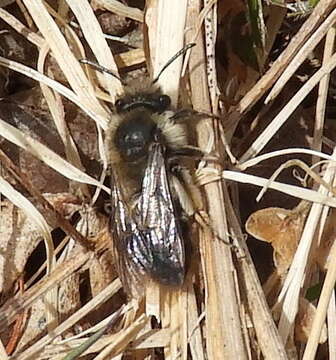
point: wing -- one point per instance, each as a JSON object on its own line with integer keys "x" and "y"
{"x": 148, "y": 241}
{"x": 123, "y": 229}
{"x": 159, "y": 218}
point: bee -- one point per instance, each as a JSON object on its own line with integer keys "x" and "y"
{"x": 149, "y": 157}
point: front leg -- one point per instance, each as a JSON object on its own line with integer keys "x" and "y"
{"x": 189, "y": 198}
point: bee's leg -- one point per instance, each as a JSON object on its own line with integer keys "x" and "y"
{"x": 190, "y": 199}
{"x": 192, "y": 152}
{"x": 187, "y": 193}
{"x": 185, "y": 114}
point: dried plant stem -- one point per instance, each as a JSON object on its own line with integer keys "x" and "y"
{"x": 319, "y": 319}
{"x": 296, "y": 191}
{"x": 17, "y": 304}
{"x": 17, "y": 329}
{"x": 40, "y": 344}
{"x": 321, "y": 10}
{"x": 130, "y": 58}
{"x": 166, "y": 23}
{"x": 267, "y": 333}
{"x": 274, "y": 22}
{"x": 64, "y": 56}
{"x": 223, "y": 327}
{"x": 56, "y": 108}
{"x": 50, "y": 213}
{"x": 323, "y": 93}
{"x": 21, "y": 28}
{"x": 301, "y": 56}
{"x": 119, "y": 345}
{"x": 287, "y": 110}
{"x": 331, "y": 327}
{"x": 3, "y": 352}
{"x": 171, "y": 18}
{"x": 120, "y": 9}
{"x": 326, "y": 293}
{"x": 195, "y": 335}
{"x": 95, "y": 38}
{"x": 289, "y": 296}
{"x": 63, "y": 90}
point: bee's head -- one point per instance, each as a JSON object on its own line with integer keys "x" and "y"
{"x": 155, "y": 102}
{"x": 134, "y": 135}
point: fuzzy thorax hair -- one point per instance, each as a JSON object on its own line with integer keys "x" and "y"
{"x": 173, "y": 135}
{"x": 164, "y": 129}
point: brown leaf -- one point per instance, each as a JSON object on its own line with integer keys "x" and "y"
{"x": 280, "y": 227}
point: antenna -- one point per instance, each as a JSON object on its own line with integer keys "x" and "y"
{"x": 108, "y": 71}
{"x": 179, "y": 53}
{"x": 100, "y": 68}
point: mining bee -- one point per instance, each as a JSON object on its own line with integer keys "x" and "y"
{"x": 149, "y": 156}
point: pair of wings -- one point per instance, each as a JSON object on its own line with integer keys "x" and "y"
{"x": 148, "y": 241}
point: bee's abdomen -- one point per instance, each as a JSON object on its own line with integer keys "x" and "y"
{"x": 156, "y": 258}
{"x": 167, "y": 271}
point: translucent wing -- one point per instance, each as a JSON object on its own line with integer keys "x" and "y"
{"x": 148, "y": 240}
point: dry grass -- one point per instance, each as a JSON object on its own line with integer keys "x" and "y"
{"x": 221, "y": 310}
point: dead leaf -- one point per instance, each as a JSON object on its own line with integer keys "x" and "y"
{"x": 281, "y": 228}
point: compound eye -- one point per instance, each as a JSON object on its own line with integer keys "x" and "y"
{"x": 164, "y": 101}
{"x": 119, "y": 104}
